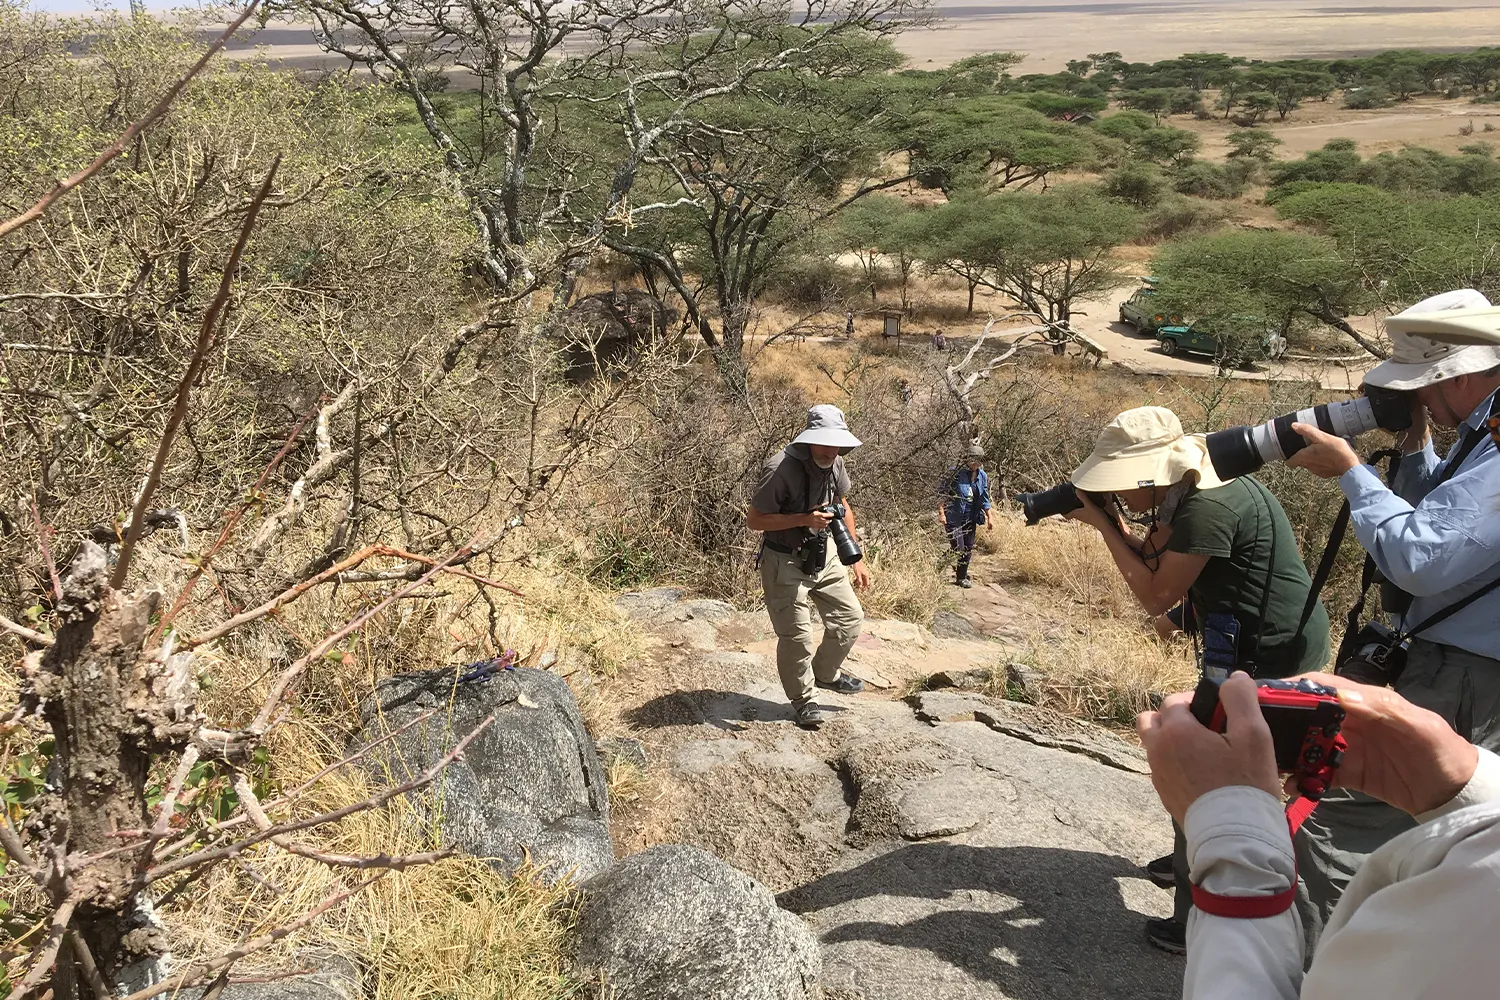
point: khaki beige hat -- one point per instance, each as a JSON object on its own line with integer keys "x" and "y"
{"x": 1442, "y": 337}
{"x": 1145, "y": 447}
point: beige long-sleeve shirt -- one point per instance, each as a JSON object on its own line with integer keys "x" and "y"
{"x": 1421, "y": 919}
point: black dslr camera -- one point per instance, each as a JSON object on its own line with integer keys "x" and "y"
{"x": 1378, "y": 656}
{"x": 1060, "y": 499}
{"x": 815, "y": 549}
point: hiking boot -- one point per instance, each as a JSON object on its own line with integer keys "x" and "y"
{"x": 966, "y": 583}
{"x": 1162, "y": 872}
{"x": 1168, "y": 935}
{"x": 809, "y": 715}
{"x": 843, "y": 684}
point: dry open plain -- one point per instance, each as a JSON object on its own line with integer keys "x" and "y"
{"x": 1051, "y": 32}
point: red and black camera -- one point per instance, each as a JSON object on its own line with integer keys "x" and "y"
{"x": 1304, "y": 719}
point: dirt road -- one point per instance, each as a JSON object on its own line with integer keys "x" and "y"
{"x": 1139, "y": 353}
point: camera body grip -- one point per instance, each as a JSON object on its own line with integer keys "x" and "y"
{"x": 1304, "y": 719}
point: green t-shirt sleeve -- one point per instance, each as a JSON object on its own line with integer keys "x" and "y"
{"x": 1203, "y": 528}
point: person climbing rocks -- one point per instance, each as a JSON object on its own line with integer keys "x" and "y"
{"x": 965, "y": 496}
{"x": 799, "y": 564}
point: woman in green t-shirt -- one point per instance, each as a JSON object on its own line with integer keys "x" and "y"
{"x": 1224, "y": 551}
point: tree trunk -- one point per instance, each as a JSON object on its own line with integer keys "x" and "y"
{"x": 108, "y": 714}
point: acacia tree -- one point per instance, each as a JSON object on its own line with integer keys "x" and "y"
{"x": 736, "y": 195}
{"x": 1282, "y": 277}
{"x": 992, "y": 143}
{"x": 1057, "y": 247}
{"x": 881, "y": 230}
{"x": 964, "y": 237}
{"x": 538, "y": 203}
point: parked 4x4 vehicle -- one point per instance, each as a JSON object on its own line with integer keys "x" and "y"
{"x": 1229, "y": 352}
{"x": 1140, "y": 312}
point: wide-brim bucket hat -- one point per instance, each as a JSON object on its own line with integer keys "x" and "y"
{"x": 1442, "y": 337}
{"x": 1145, "y": 447}
{"x": 826, "y": 426}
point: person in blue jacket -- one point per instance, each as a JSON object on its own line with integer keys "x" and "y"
{"x": 965, "y": 494}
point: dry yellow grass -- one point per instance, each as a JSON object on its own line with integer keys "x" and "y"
{"x": 1100, "y": 655}
{"x": 453, "y": 930}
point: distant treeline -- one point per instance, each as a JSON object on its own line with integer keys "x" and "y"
{"x": 1253, "y": 89}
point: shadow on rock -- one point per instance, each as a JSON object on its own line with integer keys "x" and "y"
{"x": 1037, "y": 923}
{"x": 726, "y": 710}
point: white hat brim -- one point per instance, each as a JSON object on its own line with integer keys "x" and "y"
{"x": 1476, "y": 325}
{"x": 1409, "y": 375}
{"x": 828, "y": 437}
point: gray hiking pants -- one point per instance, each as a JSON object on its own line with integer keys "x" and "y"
{"x": 1462, "y": 687}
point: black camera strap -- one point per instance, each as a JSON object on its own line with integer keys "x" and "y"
{"x": 1471, "y": 440}
{"x": 1336, "y": 541}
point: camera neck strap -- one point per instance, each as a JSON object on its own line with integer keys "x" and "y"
{"x": 1331, "y": 552}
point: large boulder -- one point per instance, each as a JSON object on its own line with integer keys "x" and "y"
{"x": 610, "y": 327}
{"x": 676, "y": 923}
{"x": 530, "y": 786}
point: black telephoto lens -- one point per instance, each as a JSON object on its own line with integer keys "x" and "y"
{"x": 848, "y": 549}
{"x": 1060, "y": 499}
{"x": 1232, "y": 453}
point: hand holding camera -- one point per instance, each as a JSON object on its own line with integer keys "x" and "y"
{"x": 1398, "y": 752}
{"x": 1189, "y": 760}
{"x": 817, "y": 520}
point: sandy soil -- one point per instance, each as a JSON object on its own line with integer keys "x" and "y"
{"x": 1432, "y": 122}
{"x": 1054, "y": 31}
{"x": 1051, "y": 32}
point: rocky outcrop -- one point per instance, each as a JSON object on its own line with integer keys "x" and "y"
{"x": 676, "y": 923}
{"x": 610, "y": 327}
{"x": 530, "y": 786}
{"x": 1031, "y": 723}
{"x": 948, "y": 846}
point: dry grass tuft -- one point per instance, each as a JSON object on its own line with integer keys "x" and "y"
{"x": 456, "y": 930}
{"x": 1102, "y": 661}
{"x": 1110, "y": 670}
{"x": 1066, "y": 556}
{"x": 909, "y": 573}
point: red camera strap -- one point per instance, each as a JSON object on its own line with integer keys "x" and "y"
{"x": 1258, "y": 907}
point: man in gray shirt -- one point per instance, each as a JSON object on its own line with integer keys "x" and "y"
{"x": 806, "y": 475}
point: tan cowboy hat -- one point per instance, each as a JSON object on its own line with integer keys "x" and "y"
{"x": 1442, "y": 337}
{"x": 1145, "y": 447}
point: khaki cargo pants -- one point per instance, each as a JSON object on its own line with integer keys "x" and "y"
{"x": 1462, "y": 687}
{"x": 790, "y": 597}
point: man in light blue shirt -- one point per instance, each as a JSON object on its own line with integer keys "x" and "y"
{"x": 1436, "y": 536}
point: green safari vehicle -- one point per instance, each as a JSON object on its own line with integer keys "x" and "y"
{"x": 1139, "y": 312}
{"x": 1194, "y": 339}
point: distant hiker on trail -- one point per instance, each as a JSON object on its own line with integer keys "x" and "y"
{"x": 939, "y": 342}
{"x": 800, "y": 488}
{"x": 848, "y": 322}
{"x": 965, "y": 495}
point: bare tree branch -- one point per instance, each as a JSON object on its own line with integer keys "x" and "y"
{"x": 119, "y": 146}
{"x": 189, "y": 376}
